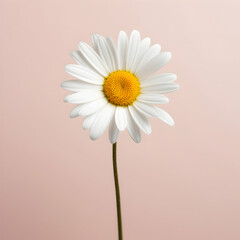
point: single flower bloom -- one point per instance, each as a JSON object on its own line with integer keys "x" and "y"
{"x": 116, "y": 87}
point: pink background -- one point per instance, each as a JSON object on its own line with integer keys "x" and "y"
{"x": 180, "y": 183}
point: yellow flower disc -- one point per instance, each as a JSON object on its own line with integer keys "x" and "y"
{"x": 121, "y": 88}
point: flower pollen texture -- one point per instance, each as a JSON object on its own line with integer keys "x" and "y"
{"x": 121, "y": 88}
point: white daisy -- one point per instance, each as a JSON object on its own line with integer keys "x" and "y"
{"x": 115, "y": 86}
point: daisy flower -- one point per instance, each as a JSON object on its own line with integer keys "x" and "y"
{"x": 115, "y": 85}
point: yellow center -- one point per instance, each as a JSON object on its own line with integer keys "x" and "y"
{"x": 121, "y": 88}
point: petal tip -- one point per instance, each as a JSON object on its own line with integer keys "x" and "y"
{"x": 71, "y": 115}
{"x": 67, "y": 67}
{"x": 168, "y": 55}
{"x": 148, "y": 130}
{"x": 122, "y": 33}
{"x": 177, "y": 86}
{"x": 112, "y": 142}
{"x": 171, "y": 123}
{"x": 81, "y": 45}
{"x": 93, "y": 138}
{"x": 135, "y": 31}
{"x": 137, "y": 140}
{"x": 84, "y": 127}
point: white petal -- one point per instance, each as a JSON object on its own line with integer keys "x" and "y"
{"x": 152, "y": 98}
{"x": 84, "y": 96}
{"x": 154, "y": 65}
{"x": 146, "y": 109}
{"x": 74, "y": 112}
{"x": 84, "y": 74}
{"x": 102, "y": 121}
{"x": 159, "y": 79}
{"x": 164, "y": 116}
{"x": 161, "y": 88}
{"x": 153, "y": 111}
{"x": 143, "y": 47}
{"x": 89, "y": 108}
{"x": 89, "y": 120}
{"x": 121, "y": 118}
{"x": 92, "y": 58}
{"x": 122, "y": 49}
{"x": 113, "y": 132}
{"x": 105, "y": 54}
{"x": 153, "y": 51}
{"x": 76, "y": 55}
{"x": 133, "y": 129}
{"x": 132, "y": 49}
{"x": 140, "y": 120}
{"x": 78, "y": 85}
{"x": 113, "y": 51}
{"x": 94, "y": 43}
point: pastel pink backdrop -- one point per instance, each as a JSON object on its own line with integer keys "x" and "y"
{"x": 180, "y": 183}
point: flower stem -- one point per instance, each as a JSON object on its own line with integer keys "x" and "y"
{"x": 115, "y": 172}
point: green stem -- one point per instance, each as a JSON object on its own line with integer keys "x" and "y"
{"x": 115, "y": 172}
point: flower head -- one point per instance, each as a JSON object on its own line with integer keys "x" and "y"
{"x": 115, "y": 87}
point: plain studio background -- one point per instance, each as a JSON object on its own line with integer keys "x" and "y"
{"x": 180, "y": 183}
